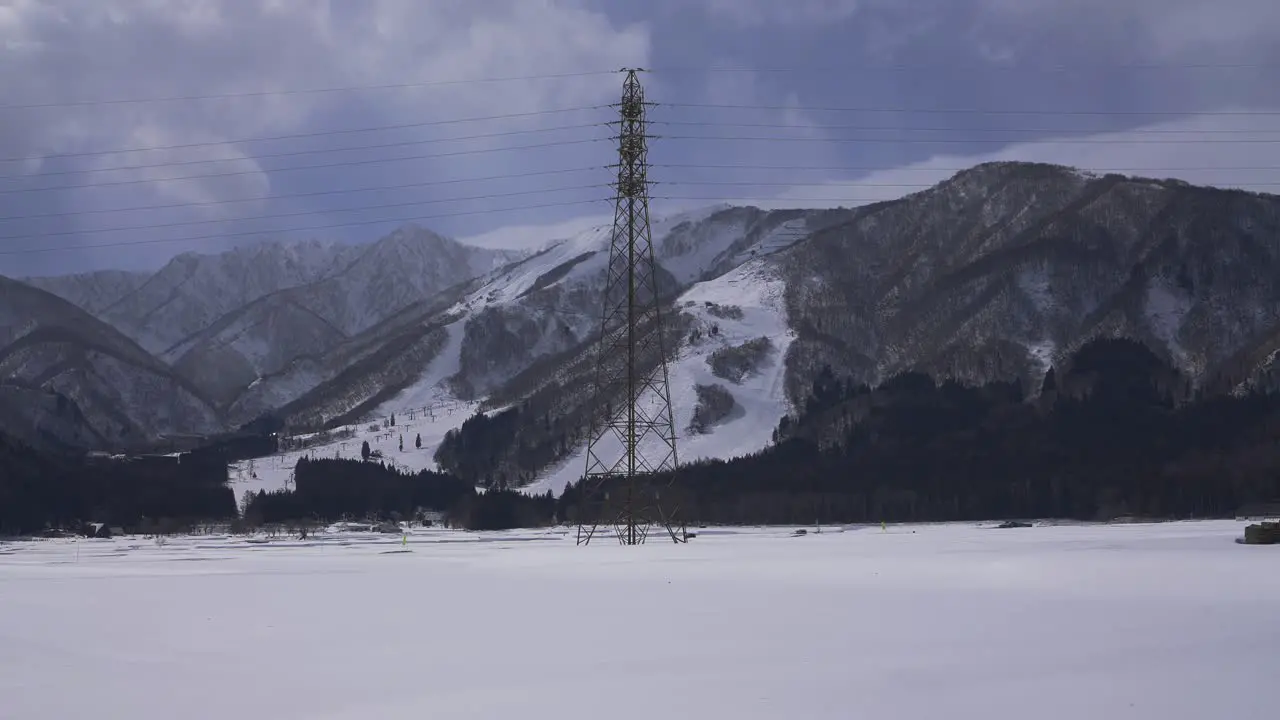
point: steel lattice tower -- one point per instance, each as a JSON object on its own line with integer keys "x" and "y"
{"x": 632, "y": 432}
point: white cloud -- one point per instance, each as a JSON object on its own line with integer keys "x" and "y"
{"x": 536, "y": 237}
{"x": 111, "y": 49}
{"x": 1244, "y": 149}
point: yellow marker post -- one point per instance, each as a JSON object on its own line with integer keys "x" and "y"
{"x": 882, "y": 527}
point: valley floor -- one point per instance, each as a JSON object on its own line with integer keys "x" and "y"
{"x": 1071, "y": 621}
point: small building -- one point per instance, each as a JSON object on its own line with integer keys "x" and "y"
{"x": 1266, "y": 533}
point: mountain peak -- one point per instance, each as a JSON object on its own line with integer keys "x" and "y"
{"x": 1012, "y": 169}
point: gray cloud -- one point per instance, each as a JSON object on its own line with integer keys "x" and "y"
{"x": 877, "y": 55}
{"x": 130, "y": 49}
{"x": 758, "y": 13}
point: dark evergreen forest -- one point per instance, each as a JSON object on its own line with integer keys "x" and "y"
{"x": 1113, "y": 431}
{"x": 328, "y": 490}
{"x": 1116, "y": 433}
{"x": 40, "y": 491}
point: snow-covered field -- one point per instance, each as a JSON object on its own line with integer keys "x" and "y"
{"x": 1137, "y": 621}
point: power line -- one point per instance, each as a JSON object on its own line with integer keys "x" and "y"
{"x": 879, "y": 168}
{"x": 319, "y": 133}
{"x": 900, "y": 128}
{"x": 311, "y": 91}
{"x": 218, "y": 236}
{"x": 700, "y": 138}
{"x": 682, "y": 166}
{"x": 303, "y": 213}
{"x": 584, "y": 108}
{"x": 347, "y": 163}
{"x": 998, "y": 141}
{"x": 984, "y": 67}
{"x": 778, "y": 200}
{"x": 832, "y": 184}
{"x": 289, "y": 196}
{"x": 294, "y": 153}
{"x": 978, "y": 111}
{"x": 842, "y": 201}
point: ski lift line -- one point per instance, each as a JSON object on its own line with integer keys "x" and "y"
{"x": 301, "y": 213}
{"x": 310, "y": 91}
{"x": 314, "y": 166}
{"x": 295, "y": 153}
{"x": 311, "y": 228}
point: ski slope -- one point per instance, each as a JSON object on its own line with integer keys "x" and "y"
{"x": 1141, "y": 622}
{"x": 689, "y": 246}
{"x": 761, "y": 397}
{"x": 427, "y": 408}
{"x": 276, "y": 472}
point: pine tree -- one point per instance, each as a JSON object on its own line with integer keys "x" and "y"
{"x": 417, "y": 442}
{"x": 401, "y": 443}
{"x": 364, "y": 450}
{"x": 393, "y": 419}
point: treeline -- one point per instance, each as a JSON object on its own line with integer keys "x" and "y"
{"x": 506, "y": 449}
{"x": 1114, "y": 432}
{"x": 40, "y": 491}
{"x": 329, "y": 490}
{"x": 546, "y": 423}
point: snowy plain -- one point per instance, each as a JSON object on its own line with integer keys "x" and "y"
{"x": 961, "y": 621}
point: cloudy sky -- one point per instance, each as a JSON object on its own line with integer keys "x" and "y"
{"x": 132, "y": 130}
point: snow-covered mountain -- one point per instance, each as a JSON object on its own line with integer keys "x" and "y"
{"x": 1008, "y": 267}
{"x": 193, "y": 291}
{"x": 409, "y": 266}
{"x": 225, "y": 321}
{"x": 69, "y": 379}
{"x": 476, "y": 337}
{"x": 551, "y": 302}
{"x": 997, "y": 272}
{"x": 251, "y": 342}
{"x": 394, "y": 276}
{"x": 93, "y": 292}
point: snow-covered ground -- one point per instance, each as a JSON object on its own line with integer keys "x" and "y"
{"x": 426, "y": 408}
{"x": 430, "y": 420}
{"x": 1140, "y": 621}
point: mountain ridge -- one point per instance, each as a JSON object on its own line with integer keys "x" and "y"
{"x": 996, "y": 273}
{"x": 103, "y": 387}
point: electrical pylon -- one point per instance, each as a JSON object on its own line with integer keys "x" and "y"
{"x": 632, "y": 433}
